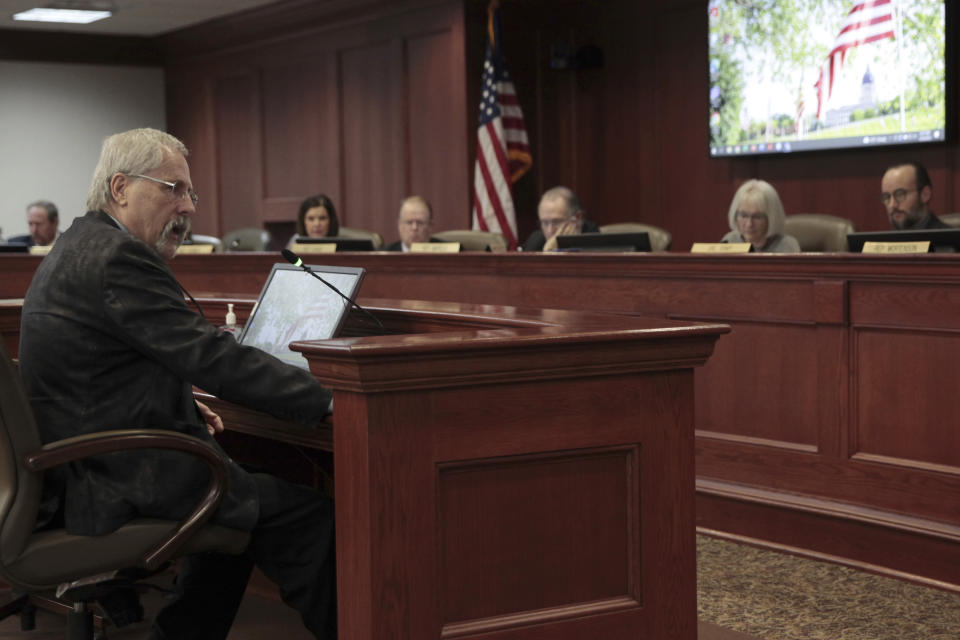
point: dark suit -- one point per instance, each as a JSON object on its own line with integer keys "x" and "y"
{"x": 24, "y": 238}
{"x": 27, "y": 239}
{"x": 536, "y": 240}
{"x": 107, "y": 342}
{"x": 932, "y": 222}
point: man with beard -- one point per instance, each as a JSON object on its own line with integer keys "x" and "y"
{"x": 905, "y": 192}
{"x": 107, "y": 342}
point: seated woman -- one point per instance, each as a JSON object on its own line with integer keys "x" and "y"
{"x": 316, "y": 218}
{"x": 756, "y": 216}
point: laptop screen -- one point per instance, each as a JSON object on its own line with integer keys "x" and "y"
{"x": 598, "y": 241}
{"x": 294, "y": 305}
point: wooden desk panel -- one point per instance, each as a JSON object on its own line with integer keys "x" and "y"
{"x": 846, "y": 408}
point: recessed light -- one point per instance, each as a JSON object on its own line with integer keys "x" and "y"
{"x": 72, "y": 16}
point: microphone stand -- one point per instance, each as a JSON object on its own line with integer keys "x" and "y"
{"x": 296, "y": 261}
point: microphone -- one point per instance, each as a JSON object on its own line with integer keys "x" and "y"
{"x": 295, "y": 260}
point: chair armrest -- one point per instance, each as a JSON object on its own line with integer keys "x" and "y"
{"x": 78, "y": 447}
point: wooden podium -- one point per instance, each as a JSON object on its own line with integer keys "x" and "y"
{"x": 505, "y": 473}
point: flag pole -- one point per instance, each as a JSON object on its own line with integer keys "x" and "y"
{"x": 897, "y": 12}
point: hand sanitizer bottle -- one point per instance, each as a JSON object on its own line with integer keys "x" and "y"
{"x": 231, "y": 321}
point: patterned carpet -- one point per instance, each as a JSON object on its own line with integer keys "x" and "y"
{"x": 776, "y": 596}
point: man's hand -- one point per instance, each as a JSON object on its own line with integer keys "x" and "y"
{"x": 214, "y": 423}
{"x": 568, "y": 228}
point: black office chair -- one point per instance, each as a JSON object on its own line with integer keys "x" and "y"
{"x": 81, "y": 570}
{"x": 247, "y": 239}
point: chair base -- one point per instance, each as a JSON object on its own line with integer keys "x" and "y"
{"x": 23, "y": 606}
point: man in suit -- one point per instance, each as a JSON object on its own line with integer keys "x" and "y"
{"x": 107, "y": 342}
{"x": 414, "y": 223}
{"x": 42, "y": 219}
{"x": 560, "y": 214}
{"x": 905, "y": 192}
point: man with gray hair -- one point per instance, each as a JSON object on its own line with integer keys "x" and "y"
{"x": 414, "y": 222}
{"x": 107, "y": 342}
{"x": 560, "y": 214}
{"x": 42, "y": 220}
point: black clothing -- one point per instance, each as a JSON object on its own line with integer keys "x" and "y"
{"x": 24, "y": 238}
{"x": 536, "y": 240}
{"x": 302, "y": 563}
{"x": 932, "y": 222}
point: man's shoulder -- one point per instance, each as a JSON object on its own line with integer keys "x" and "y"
{"x": 23, "y": 238}
{"x": 934, "y": 222}
{"x": 396, "y": 246}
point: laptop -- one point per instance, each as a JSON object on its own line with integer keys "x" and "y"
{"x": 294, "y": 305}
{"x": 941, "y": 240}
{"x": 598, "y": 241}
{"x": 343, "y": 244}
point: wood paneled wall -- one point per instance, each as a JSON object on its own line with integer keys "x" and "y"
{"x": 378, "y": 102}
{"x": 366, "y": 109}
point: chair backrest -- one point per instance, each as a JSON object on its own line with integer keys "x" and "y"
{"x": 471, "y": 240}
{"x": 247, "y": 239}
{"x": 196, "y": 238}
{"x": 354, "y": 232}
{"x": 819, "y": 232}
{"x": 952, "y": 219}
{"x": 660, "y": 239}
{"x": 20, "y": 488}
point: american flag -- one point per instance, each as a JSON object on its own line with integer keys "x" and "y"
{"x": 868, "y": 21}
{"x": 503, "y": 151}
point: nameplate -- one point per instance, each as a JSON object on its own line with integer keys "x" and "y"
{"x": 36, "y": 250}
{"x": 435, "y": 247}
{"x": 720, "y": 247}
{"x": 194, "y": 248}
{"x": 314, "y": 247}
{"x": 896, "y": 247}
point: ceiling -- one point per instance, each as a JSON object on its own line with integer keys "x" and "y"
{"x": 131, "y": 17}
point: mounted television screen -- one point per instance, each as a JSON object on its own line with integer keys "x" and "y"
{"x": 825, "y": 74}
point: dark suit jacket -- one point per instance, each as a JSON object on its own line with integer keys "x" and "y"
{"x": 536, "y": 240}
{"x": 107, "y": 342}
{"x": 398, "y": 245}
{"x": 24, "y": 238}
{"x": 933, "y": 222}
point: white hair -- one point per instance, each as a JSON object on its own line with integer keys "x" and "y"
{"x": 134, "y": 151}
{"x": 759, "y": 193}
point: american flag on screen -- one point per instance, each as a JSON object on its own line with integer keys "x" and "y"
{"x": 503, "y": 151}
{"x": 868, "y": 21}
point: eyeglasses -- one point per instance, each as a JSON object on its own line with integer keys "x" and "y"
{"x": 756, "y": 217}
{"x": 178, "y": 189}
{"x": 899, "y": 195}
{"x": 549, "y": 223}
{"x": 415, "y": 223}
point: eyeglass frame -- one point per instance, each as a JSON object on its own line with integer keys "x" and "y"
{"x": 189, "y": 193}
{"x": 416, "y": 224}
{"x": 903, "y": 193}
{"x": 755, "y": 217}
{"x": 550, "y": 223}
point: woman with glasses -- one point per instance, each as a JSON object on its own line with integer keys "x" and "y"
{"x": 316, "y": 218}
{"x": 756, "y": 216}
